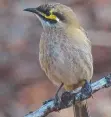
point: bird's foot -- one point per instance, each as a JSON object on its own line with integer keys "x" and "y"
{"x": 87, "y": 89}
{"x": 55, "y": 99}
{"x": 66, "y": 99}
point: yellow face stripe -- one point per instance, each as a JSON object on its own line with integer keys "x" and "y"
{"x": 51, "y": 16}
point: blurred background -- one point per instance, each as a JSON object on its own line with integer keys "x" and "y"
{"x": 23, "y": 85}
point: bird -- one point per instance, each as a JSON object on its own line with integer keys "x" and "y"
{"x": 65, "y": 53}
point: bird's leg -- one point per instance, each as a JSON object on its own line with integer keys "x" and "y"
{"x": 56, "y": 98}
{"x": 86, "y": 89}
{"x": 56, "y": 95}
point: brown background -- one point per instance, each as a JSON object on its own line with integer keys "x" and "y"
{"x": 23, "y": 85}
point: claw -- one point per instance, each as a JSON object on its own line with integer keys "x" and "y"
{"x": 87, "y": 89}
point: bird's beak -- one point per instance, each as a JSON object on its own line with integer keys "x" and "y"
{"x": 33, "y": 10}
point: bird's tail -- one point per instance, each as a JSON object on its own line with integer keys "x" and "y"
{"x": 80, "y": 110}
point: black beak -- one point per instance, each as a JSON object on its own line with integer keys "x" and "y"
{"x": 33, "y": 10}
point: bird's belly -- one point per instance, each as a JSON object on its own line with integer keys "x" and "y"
{"x": 60, "y": 69}
{"x": 58, "y": 72}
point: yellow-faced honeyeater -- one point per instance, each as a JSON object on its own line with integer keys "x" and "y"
{"x": 64, "y": 49}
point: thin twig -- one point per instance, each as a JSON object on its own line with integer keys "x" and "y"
{"x": 68, "y": 98}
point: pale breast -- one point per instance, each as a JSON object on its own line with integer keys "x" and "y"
{"x": 63, "y": 62}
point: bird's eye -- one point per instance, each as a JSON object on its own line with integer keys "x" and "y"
{"x": 47, "y": 12}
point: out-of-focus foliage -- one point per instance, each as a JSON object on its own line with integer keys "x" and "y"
{"x": 23, "y": 85}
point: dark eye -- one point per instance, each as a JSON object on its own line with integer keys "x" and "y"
{"x": 47, "y": 12}
{"x": 60, "y": 16}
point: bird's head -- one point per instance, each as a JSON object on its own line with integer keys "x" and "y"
{"x": 53, "y": 15}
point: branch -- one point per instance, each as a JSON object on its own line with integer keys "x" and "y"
{"x": 68, "y": 98}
